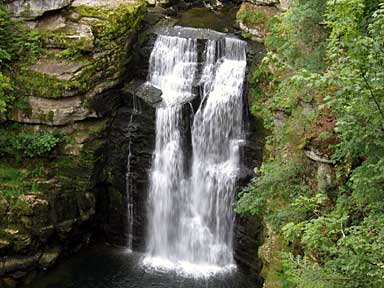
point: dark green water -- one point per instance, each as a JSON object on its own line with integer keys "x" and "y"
{"x": 106, "y": 267}
{"x": 221, "y": 20}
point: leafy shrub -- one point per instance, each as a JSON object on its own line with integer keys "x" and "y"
{"x": 251, "y": 18}
{"x": 27, "y": 144}
{"x": 16, "y": 42}
{"x": 298, "y": 36}
{"x": 332, "y": 238}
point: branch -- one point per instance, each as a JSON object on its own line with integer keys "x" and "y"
{"x": 373, "y": 95}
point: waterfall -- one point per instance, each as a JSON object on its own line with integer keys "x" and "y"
{"x": 191, "y": 200}
{"x": 129, "y": 179}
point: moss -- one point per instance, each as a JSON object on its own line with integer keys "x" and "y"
{"x": 32, "y": 83}
{"x": 251, "y": 18}
{"x": 256, "y": 16}
{"x": 117, "y": 22}
{"x": 63, "y": 40}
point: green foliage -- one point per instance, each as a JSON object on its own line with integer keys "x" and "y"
{"x": 278, "y": 181}
{"x": 5, "y": 93}
{"x": 332, "y": 238}
{"x": 10, "y": 180}
{"x": 251, "y": 18}
{"x": 32, "y": 83}
{"x": 27, "y": 144}
{"x": 298, "y": 37}
{"x": 357, "y": 73}
{"x": 115, "y": 22}
{"x": 16, "y": 42}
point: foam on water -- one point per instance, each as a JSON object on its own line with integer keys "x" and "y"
{"x": 191, "y": 202}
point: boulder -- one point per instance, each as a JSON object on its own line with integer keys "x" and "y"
{"x": 31, "y": 9}
{"x": 284, "y": 5}
{"x": 13, "y": 264}
{"x": 4, "y": 245}
{"x": 21, "y": 242}
{"x": 49, "y": 257}
{"x": 279, "y": 118}
{"x": 53, "y": 112}
{"x": 325, "y": 177}
{"x": 145, "y": 91}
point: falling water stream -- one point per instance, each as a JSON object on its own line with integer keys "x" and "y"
{"x": 191, "y": 202}
{"x": 195, "y": 169}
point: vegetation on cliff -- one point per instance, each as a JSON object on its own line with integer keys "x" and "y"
{"x": 320, "y": 90}
{"x": 15, "y": 43}
{"x": 51, "y": 138}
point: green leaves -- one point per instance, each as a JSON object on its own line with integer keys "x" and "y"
{"x": 5, "y": 93}
{"x": 332, "y": 239}
{"x": 27, "y": 144}
{"x": 16, "y": 43}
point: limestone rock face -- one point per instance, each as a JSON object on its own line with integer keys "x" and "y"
{"x": 54, "y": 112}
{"x": 61, "y": 33}
{"x": 284, "y": 5}
{"x": 60, "y": 69}
{"x": 133, "y": 129}
{"x": 30, "y": 9}
{"x": 87, "y": 49}
{"x": 94, "y": 38}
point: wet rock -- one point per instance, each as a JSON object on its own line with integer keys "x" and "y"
{"x": 248, "y": 238}
{"x": 4, "y": 246}
{"x": 21, "y": 243}
{"x": 9, "y": 282}
{"x": 18, "y": 274}
{"x": 13, "y": 264}
{"x": 48, "y": 258}
{"x": 145, "y": 91}
{"x": 65, "y": 227}
{"x": 45, "y": 233}
{"x": 30, "y": 9}
{"x": 132, "y": 130}
{"x": 187, "y": 32}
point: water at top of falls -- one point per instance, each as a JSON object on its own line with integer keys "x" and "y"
{"x": 173, "y": 64}
{"x": 191, "y": 200}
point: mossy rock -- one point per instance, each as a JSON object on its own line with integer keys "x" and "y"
{"x": 115, "y": 22}
{"x": 254, "y": 19}
{"x": 32, "y": 83}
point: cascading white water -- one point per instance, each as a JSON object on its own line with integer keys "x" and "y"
{"x": 190, "y": 213}
{"x": 129, "y": 179}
